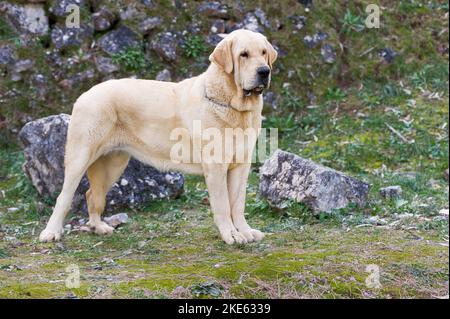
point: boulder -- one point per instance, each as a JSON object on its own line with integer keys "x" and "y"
{"x": 28, "y": 18}
{"x": 286, "y": 176}
{"x": 43, "y": 142}
{"x": 119, "y": 40}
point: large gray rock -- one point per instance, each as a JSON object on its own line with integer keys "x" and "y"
{"x": 286, "y": 176}
{"x": 28, "y": 18}
{"x": 43, "y": 142}
{"x": 60, "y": 8}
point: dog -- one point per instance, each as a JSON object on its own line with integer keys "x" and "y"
{"x": 120, "y": 118}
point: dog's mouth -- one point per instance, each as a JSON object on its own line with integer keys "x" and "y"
{"x": 255, "y": 91}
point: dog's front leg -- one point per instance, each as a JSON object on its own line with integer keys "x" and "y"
{"x": 237, "y": 188}
{"x": 216, "y": 181}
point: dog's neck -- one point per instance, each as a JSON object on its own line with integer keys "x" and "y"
{"x": 222, "y": 89}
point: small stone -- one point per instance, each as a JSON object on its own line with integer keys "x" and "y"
{"x": 218, "y": 26}
{"x": 286, "y": 176}
{"x": 314, "y": 40}
{"x": 7, "y": 55}
{"x": 164, "y": 75}
{"x": 165, "y": 45}
{"x": 23, "y": 65}
{"x": 328, "y": 53}
{"x": 388, "y": 55}
{"x": 12, "y": 209}
{"x": 116, "y": 220}
{"x": 391, "y": 192}
{"x": 446, "y": 174}
{"x": 103, "y": 19}
{"x": 105, "y": 65}
{"x": 63, "y": 37}
{"x": 119, "y": 40}
{"x": 123, "y": 182}
{"x": 444, "y": 212}
{"x": 299, "y": 22}
{"x": 150, "y": 24}
{"x": 59, "y": 8}
{"x": 213, "y": 9}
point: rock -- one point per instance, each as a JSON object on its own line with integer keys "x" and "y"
{"x": 218, "y": 26}
{"x": 388, "y": 55}
{"x": 59, "y": 8}
{"x": 446, "y": 174}
{"x": 213, "y": 9}
{"x": 103, "y": 19}
{"x": 28, "y": 18}
{"x": 116, "y": 220}
{"x": 328, "y": 53}
{"x": 391, "y": 192}
{"x": 63, "y": 37}
{"x": 23, "y": 65}
{"x": 7, "y": 54}
{"x": 150, "y": 24}
{"x": 272, "y": 99}
{"x": 105, "y": 65}
{"x": 165, "y": 45}
{"x": 131, "y": 12}
{"x": 444, "y": 212}
{"x": 164, "y": 75}
{"x": 213, "y": 39}
{"x": 20, "y": 67}
{"x": 298, "y": 21}
{"x": 286, "y": 176}
{"x": 251, "y": 23}
{"x": 119, "y": 40}
{"x": 314, "y": 40}
{"x": 43, "y": 142}
{"x": 261, "y": 15}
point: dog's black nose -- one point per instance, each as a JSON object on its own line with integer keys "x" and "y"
{"x": 263, "y": 71}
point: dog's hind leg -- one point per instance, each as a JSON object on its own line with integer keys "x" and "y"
{"x": 74, "y": 171}
{"x": 102, "y": 174}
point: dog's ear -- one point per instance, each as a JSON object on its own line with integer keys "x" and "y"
{"x": 272, "y": 54}
{"x": 222, "y": 55}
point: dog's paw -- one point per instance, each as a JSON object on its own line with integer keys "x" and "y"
{"x": 232, "y": 236}
{"x": 101, "y": 228}
{"x": 252, "y": 235}
{"x": 48, "y": 235}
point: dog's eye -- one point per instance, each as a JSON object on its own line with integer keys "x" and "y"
{"x": 264, "y": 52}
{"x": 244, "y": 54}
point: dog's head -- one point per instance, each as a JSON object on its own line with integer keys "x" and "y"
{"x": 248, "y": 57}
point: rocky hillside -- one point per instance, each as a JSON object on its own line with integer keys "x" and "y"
{"x": 324, "y": 46}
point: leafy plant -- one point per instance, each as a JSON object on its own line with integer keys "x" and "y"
{"x": 352, "y": 22}
{"x": 290, "y": 99}
{"x": 194, "y": 46}
{"x": 133, "y": 59}
{"x": 335, "y": 95}
{"x": 210, "y": 288}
